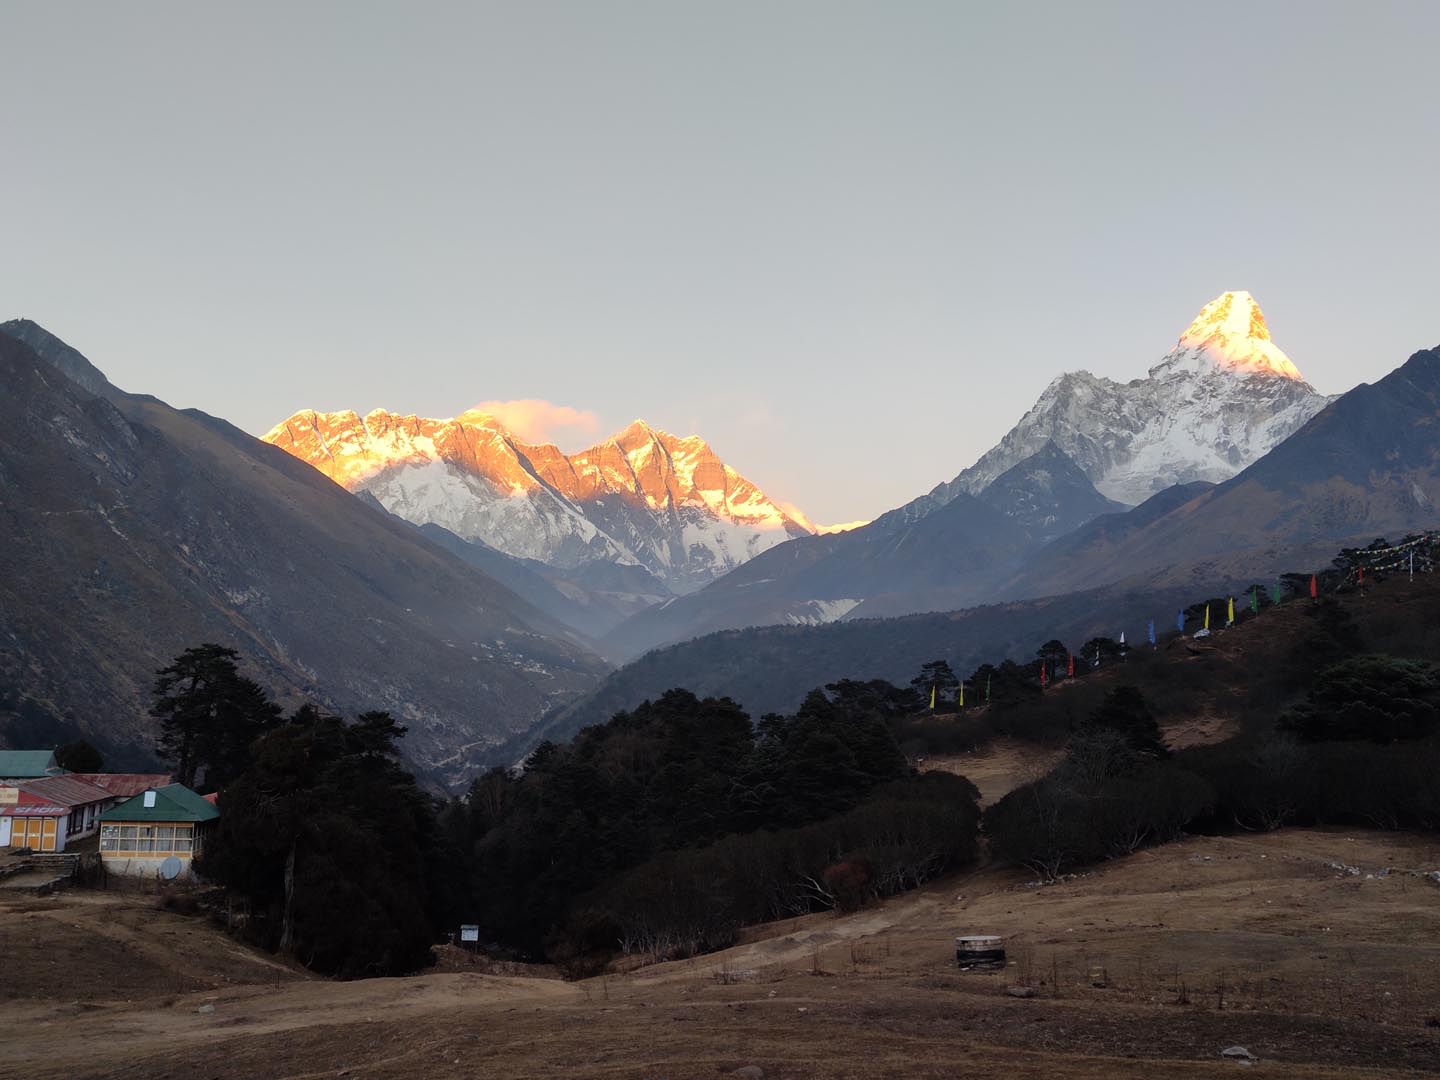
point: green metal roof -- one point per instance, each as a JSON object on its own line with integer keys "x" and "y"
{"x": 27, "y": 764}
{"x": 174, "y": 802}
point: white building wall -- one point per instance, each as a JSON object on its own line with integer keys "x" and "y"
{"x": 143, "y": 866}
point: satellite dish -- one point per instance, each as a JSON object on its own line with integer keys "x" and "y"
{"x": 170, "y": 868}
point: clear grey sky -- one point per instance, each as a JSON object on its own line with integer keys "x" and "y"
{"x": 847, "y": 243}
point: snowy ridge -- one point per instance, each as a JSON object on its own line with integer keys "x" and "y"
{"x": 642, "y": 497}
{"x": 1222, "y": 398}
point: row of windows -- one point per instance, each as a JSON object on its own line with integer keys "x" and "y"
{"x": 147, "y": 839}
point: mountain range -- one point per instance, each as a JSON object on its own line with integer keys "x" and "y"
{"x": 471, "y": 582}
{"x": 134, "y": 530}
{"x": 642, "y": 498}
{"x": 1366, "y": 466}
{"x": 1220, "y": 399}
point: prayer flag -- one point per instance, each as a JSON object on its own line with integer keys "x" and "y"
{"x": 1207, "y": 616}
{"x": 1070, "y": 671}
{"x": 1151, "y": 631}
{"x": 1180, "y": 620}
{"x": 1230, "y": 616}
{"x": 1254, "y": 599}
{"x": 932, "y": 695}
{"x": 1314, "y": 587}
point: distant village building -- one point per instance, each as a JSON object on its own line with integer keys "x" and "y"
{"x": 141, "y": 835}
{"x": 28, "y": 764}
{"x": 123, "y": 785}
{"x": 45, "y": 813}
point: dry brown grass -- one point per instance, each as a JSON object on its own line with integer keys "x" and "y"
{"x": 1148, "y": 967}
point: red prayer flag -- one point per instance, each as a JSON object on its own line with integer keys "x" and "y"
{"x": 1043, "y": 679}
{"x": 1071, "y": 670}
{"x": 1313, "y": 590}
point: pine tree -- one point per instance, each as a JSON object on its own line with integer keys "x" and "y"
{"x": 209, "y": 715}
{"x": 937, "y": 676}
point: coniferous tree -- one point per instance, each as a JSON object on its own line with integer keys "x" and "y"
{"x": 1124, "y": 712}
{"x": 937, "y": 677}
{"x": 325, "y": 823}
{"x": 209, "y": 715}
{"x": 79, "y": 756}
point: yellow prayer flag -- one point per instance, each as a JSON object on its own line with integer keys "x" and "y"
{"x": 1232, "y": 610}
{"x": 1207, "y": 616}
{"x": 932, "y": 695}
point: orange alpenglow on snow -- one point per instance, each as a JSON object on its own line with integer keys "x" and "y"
{"x": 1231, "y": 332}
{"x": 641, "y": 497}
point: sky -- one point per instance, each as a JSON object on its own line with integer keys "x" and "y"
{"x": 849, "y": 244}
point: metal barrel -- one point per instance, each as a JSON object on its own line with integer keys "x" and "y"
{"x": 979, "y": 952}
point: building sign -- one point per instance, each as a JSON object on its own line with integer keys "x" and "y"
{"x": 470, "y": 933}
{"x": 9, "y": 796}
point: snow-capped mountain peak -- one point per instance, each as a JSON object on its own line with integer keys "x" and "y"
{"x": 1221, "y": 398}
{"x": 1229, "y": 334}
{"x": 642, "y": 496}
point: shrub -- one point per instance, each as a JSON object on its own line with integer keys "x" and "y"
{"x": 1375, "y": 698}
{"x": 850, "y": 884}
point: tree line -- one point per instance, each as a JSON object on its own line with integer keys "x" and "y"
{"x": 671, "y": 825}
{"x": 663, "y": 830}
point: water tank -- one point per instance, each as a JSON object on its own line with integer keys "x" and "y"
{"x": 980, "y": 952}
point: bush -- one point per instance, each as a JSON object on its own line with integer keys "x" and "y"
{"x": 1077, "y": 816}
{"x": 1375, "y": 698}
{"x": 850, "y": 884}
{"x": 696, "y": 900}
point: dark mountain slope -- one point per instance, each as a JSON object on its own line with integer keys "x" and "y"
{"x": 770, "y": 668}
{"x": 951, "y": 557}
{"x": 134, "y": 530}
{"x": 1047, "y": 495}
{"x": 591, "y": 599}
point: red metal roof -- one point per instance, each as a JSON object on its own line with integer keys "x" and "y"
{"x": 65, "y": 791}
{"x": 28, "y": 805}
{"x": 124, "y": 785}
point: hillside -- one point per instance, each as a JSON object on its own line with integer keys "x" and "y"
{"x": 135, "y": 530}
{"x": 770, "y": 668}
{"x": 1149, "y": 966}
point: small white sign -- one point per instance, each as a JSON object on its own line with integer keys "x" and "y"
{"x": 470, "y": 933}
{"x": 9, "y": 796}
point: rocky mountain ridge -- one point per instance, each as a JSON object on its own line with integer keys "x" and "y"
{"x": 642, "y": 497}
{"x": 1222, "y": 398}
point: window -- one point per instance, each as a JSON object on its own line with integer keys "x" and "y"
{"x": 148, "y": 840}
